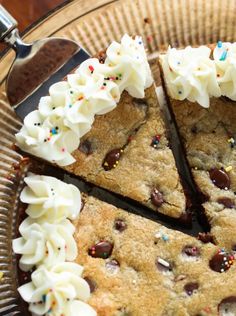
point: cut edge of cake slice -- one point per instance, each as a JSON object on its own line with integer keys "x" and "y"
{"x": 207, "y": 133}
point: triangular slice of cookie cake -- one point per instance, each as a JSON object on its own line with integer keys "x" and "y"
{"x": 123, "y": 264}
{"x": 104, "y": 124}
{"x": 201, "y": 87}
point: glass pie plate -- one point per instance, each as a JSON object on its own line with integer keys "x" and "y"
{"x": 94, "y": 24}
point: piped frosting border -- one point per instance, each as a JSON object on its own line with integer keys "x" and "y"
{"x": 197, "y": 74}
{"x": 54, "y": 131}
{"x": 47, "y": 244}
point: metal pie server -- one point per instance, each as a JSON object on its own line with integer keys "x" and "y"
{"x": 36, "y": 66}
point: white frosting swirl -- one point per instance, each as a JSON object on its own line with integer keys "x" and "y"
{"x": 51, "y": 139}
{"x": 225, "y": 60}
{"x": 94, "y": 89}
{"x": 50, "y": 199}
{"x": 58, "y": 291}
{"x": 45, "y": 243}
{"x": 190, "y": 74}
{"x": 129, "y": 59}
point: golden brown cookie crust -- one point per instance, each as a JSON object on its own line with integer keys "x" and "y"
{"x": 137, "y": 287}
{"x": 141, "y": 168}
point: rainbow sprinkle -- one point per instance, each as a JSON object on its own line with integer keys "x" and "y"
{"x": 219, "y": 44}
{"x": 223, "y": 56}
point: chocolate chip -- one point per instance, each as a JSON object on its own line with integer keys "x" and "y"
{"x": 112, "y": 158}
{"x": 86, "y": 147}
{"x": 92, "y": 284}
{"x": 227, "y": 202}
{"x": 147, "y": 20}
{"x": 220, "y": 178}
{"x": 191, "y": 251}
{"x": 227, "y": 306}
{"x": 156, "y": 197}
{"x": 194, "y": 129}
{"x": 155, "y": 141}
{"x": 163, "y": 265}
{"x": 205, "y": 237}
{"x": 102, "y": 249}
{"x": 112, "y": 265}
{"x": 221, "y": 261}
{"x": 191, "y": 287}
{"x": 120, "y": 225}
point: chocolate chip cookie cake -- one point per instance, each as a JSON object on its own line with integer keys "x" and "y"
{"x": 104, "y": 124}
{"x": 105, "y": 261}
{"x": 200, "y": 84}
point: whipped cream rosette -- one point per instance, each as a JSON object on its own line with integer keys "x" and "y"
{"x": 58, "y": 291}
{"x": 225, "y": 60}
{"x": 190, "y": 74}
{"x": 100, "y": 92}
{"x": 48, "y": 137}
{"x": 94, "y": 89}
{"x": 45, "y": 243}
{"x": 50, "y": 199}
{"x": 128, "y": 61}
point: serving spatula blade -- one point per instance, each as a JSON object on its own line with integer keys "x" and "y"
{"x": 36, "y": 66}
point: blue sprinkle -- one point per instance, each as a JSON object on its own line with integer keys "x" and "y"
{"x": 178, "y": 63}
{"x": 53, "y": 131}
{"x": 140, "y": 43}
{"x": 165, "y": 238}
{"x": 219, "y": 44}
{"x": 223, "y": 56}
{"x": 70, "y": 105}
{"x": 44, "y": 298}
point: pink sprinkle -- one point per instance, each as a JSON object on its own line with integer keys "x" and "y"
{"x": 112, "y": 78}
{"x": 149, "y": 39}
{"x": 63, "y": 150}
{"x": 102, "y": 88}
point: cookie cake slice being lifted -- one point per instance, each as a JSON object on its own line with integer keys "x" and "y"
{"x": 104, "y": 124}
